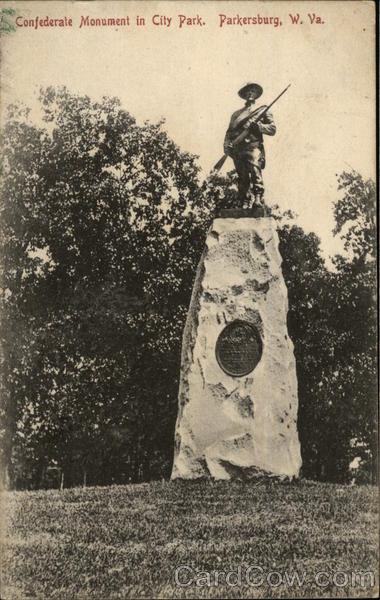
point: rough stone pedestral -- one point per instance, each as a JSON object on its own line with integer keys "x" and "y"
{"x": 230, "y": 426}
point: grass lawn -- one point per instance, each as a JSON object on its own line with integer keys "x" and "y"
{"x": 127, "y": 541}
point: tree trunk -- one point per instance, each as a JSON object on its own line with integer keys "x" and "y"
{"x": 7, "y": 478}
{"x": 41, "y": 476}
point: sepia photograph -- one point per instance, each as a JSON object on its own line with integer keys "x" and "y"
{"x": 188, "y": 299}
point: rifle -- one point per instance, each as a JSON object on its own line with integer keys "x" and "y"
{"x": 246, "y": 125}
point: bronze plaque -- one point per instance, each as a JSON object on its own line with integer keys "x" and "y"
{"x": 239, "y": 348}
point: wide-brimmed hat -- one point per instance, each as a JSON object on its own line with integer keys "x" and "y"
{"x": 243, "y": 91}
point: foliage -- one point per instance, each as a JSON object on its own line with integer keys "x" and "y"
{"x": 355, "y": 315}
{"x": 101, "y": 222}
{"x": 332, "y": 321}
{"x": 355, "y": 212}
{"x": 127, "y": 541}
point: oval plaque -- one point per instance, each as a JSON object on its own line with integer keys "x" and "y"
{"x": 238, "y": 348}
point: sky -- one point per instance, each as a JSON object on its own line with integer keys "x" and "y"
{"x": 190, "y": 75}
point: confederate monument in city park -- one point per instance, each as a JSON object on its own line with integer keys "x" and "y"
{"x": 237, "y": 413}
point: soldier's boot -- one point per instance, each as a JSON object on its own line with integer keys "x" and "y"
{"x": 258, "y": 204}
{"x": 259, "y": 198}
{"x": 247, "y": 200}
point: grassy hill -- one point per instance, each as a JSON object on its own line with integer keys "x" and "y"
{"x": 127, "y": 541}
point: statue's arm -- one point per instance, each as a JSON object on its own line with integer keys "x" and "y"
{"x": 267, "y": 125}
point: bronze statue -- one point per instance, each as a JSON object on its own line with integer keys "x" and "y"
{"x": 244, "y": 143}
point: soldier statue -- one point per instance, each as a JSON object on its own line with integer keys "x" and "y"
{"x": 248, "y": 154}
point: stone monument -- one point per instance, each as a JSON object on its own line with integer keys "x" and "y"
{"x": 237, "y": 414}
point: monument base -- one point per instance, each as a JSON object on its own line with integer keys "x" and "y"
{"x": 237, "y": 415}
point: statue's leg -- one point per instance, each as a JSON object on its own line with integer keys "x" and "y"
{"x": 244, "y": 178}
{"x": 257, "y": 177}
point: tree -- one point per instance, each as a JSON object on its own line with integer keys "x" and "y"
{"x": 102, "y": 222}
{"x": 332, "y": 322}
{"x": 308, "y": 281}
{"x": 355, "y": 212}
{"x": 356, "y": 323}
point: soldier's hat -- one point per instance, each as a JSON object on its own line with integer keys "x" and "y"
{"x": 243, "y": 91}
